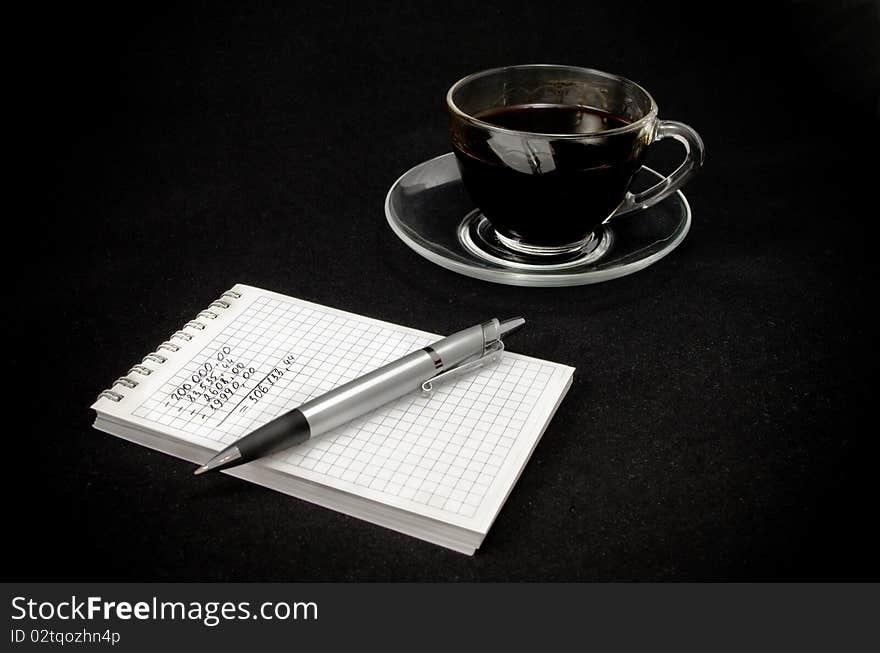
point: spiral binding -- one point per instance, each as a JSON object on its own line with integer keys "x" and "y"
{"x": 155, "y": 357}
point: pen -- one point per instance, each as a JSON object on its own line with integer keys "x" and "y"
{"x": 449, "y": 357}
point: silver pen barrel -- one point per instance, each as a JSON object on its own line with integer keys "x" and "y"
{"x": 391, "y": 381}
{"x": 368, "y": 392}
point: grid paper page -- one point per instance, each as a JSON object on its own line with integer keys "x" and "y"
{"x": 453, "y": 456}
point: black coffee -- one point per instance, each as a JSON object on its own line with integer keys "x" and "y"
{"x": 541, "y": 190}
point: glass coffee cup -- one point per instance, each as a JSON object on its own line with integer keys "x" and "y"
{"x": 548, "y": 152}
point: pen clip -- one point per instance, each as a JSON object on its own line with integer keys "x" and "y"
{"x": 493, "y": 353}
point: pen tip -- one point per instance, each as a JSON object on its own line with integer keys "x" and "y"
{"x": 229, "y": 457}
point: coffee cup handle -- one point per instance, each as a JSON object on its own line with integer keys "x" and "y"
{"x": 695, "y": 153}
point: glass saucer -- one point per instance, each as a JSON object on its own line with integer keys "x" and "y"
{"x": 430, "y": 210}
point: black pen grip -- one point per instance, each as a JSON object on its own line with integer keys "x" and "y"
{"x": 285, "y": 431}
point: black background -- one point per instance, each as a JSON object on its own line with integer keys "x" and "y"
{"x": 719, "y": 425}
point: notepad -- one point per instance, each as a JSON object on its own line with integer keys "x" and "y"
{"x": 436, "y": 467}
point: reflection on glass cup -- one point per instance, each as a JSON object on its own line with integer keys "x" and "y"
{"x": 547, "y": 152}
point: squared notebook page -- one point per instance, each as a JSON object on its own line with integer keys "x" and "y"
{"x": 453, "y": 456}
